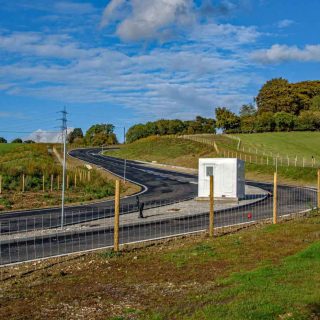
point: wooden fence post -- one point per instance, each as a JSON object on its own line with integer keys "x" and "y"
{"x": 0, "y": 184}
{"x": 43, "y": 188}
{"x": 67, "y": 182}
{"x": 275, "y": 191}
{"x": 211, "y": 217}
{"x": 51, "y": 183}
{"x": 318, "y": 188}
{"x": 75, "y": 180}
{"x": 116, "y": 216}
{"x": 23, "y": 183}
{"x": 58, "y": 182}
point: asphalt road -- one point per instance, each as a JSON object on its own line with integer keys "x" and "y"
{"x": 159, "y": 186}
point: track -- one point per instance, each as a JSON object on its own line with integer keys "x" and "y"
{"x": 157, "y": 185}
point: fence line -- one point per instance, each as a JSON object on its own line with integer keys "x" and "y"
{"x": 252, "y": 154}
{"x": 92, "y": 227}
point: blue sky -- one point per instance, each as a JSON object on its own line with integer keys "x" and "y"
{"x": 130, "y": 61}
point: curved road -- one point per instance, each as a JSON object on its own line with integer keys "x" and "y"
{"x": 159, "y": 187}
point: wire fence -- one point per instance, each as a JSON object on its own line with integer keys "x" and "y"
{"x": 230, "y": 146}
{"x": 90, "y": 228}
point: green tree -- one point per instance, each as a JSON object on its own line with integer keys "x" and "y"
{"x": 17, "y": 140}
{"x": 227, "y": 120}
{"x": 315, "y": 103}
{"x": 3, "y": 140}
{"x": 75, "y": 134}
{"x": 248, "y": 124}
{"x": 136, "y": 132}
{"x": 278, "y": 95}
{"x": 99, "y": 134}
{"x": 308, "y": 120}
{"x": 284, "y": 121}
{"x": 264, "y": 122}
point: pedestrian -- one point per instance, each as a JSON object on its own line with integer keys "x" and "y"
{"x": 138, "y": 202}
{"x": 141, "y": 210}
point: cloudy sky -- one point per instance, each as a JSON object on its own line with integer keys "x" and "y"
{"x": 129, "y": 61}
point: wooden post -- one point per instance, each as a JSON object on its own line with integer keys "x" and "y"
{"x": 58, "y": 182}
{"x": 89, "y": 175}
{"x": 67, "y": 182}
{"x": 75, "y": 180}
{"x": 43, "y": 189}
{"x": 116, "y": 217}
{"x": 211, "y": 216}
{"x": 23, "y": 183}
{"x": 0, "y": 184}
{"x": 275, "y": 191}
{"x": 51, "y": 183}
{"x": 318, "y": 188}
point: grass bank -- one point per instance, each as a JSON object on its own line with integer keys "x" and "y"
{"x": 32, "y": 163}
{"x": 264, "y": 272}
{"x": 302, "y": 144}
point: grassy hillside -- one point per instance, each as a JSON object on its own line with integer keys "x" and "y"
{"x": 185, "y": 152}
{"x": 36, "y": 161}
{"x": 169, "y": 150}
{"x": 292, "y": 144}
{"x": 250, "y": 274}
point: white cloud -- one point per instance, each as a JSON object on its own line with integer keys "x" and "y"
{"x": 283, "y": 53}
{"x": 285, "y": 23}
{"x": 148, "y": 20}
{"x": 44, "y": 136}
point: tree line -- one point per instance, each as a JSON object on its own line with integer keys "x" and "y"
{"x": 96, "y": 135}
{"x": 167, "y": 127}
{"x": 280, "y": 106}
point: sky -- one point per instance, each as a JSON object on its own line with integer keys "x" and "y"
{"x": 132, "y": 61}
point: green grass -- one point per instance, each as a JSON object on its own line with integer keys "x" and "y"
{"x": 290, "y": 290}
{"x": 301, "y": 144}
{"x": 164, "y": 149}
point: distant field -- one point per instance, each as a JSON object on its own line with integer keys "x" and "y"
{"x": 301, "y": 144}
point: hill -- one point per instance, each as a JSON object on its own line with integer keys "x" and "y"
{"x": 256, "y": 151}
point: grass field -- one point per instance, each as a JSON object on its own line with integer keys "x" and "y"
{"x": 263, "y": 272}
{"x": 181, "y": 152}
{"x": 301, "y": 144}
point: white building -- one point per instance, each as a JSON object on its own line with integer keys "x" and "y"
{"x": 229, "y": 178}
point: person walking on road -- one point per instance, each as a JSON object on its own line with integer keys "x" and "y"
{"x": 140, "y": 207}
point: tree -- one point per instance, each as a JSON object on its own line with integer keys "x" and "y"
{"x": 29, "y": 141}
{"x": 3, "y": 140}
{"x": 308, "y": 120}
{"x": 75, "y": 134}
{"x": 100, "y": 134}
{"x": 265, "y": 122}
{"x": 227, "y": 120}
{"x": 315, "y": 103}
{"x": 247, "y": 110}
{"x": 278, "y": 95}
{"x": 284, "y": 121}
{"x": 17, "y": 140}
{"x": 248, "y": 124}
